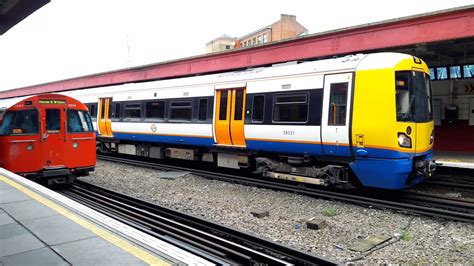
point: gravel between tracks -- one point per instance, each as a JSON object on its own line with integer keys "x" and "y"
{"x": 425, "y": 240}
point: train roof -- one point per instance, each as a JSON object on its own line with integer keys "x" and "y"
{"x": 8, "y": 103}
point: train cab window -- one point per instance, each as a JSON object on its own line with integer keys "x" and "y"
{"x": 338, "y": 104}
{"x": 202, "y": 113}
{"x": 53, "y": 120}
{"x": 132, "y": 110}
{"x": 181, "y": 110}
{"x": 258, "y": 108}
{"x": 155, "y": 109}
{"x": 20, "y": 122}
{"x": 291, "y": 108}
{"x": 78, "y": 121}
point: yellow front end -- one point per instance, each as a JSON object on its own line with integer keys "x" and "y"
{"x": 387, "y": 142}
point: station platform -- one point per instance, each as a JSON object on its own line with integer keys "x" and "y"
{"x": 41, "y": 227}
{"x": 455, "y": 159}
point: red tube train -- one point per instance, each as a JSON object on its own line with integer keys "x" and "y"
{"x": 48, "y": 138}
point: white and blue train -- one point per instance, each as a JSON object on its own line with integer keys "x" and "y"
{"x": 364, "y": 119}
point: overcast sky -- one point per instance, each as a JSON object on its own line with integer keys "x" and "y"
{"x": 70, "y": 38}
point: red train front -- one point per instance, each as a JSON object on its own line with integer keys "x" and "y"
{"x": 49, "y": 138}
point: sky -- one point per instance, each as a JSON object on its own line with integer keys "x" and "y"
{"x": 71, "y": 38}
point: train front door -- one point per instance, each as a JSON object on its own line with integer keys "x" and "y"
{"x": 53, "y": 133}
{"x": 229, "y": 117}
{"x": 336, "y": 114}
{"x": 104, "y": 124}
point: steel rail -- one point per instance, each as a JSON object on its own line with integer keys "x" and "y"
{"x": 443, "y": 208}
{"x": 205, "y": 236}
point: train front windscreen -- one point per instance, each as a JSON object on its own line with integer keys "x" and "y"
{"x": 413, "y": 97}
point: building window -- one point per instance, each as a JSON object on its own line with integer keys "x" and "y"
{"x": 455, "y": 72}
{"x": 265, "y": 38}
{"x": 259, "y": 40}
{"x": 155, "y": 109}
{"x": 181, "y": 111}
{"x": 254, "y": 41}
{"x": 468, "y": 71}
{"x": 245, "y": 44}
{"x": 442, "y": 73}
{"x": 432, "y": 74}
{"x": 258, "y": 108}
{"x": 291, "y": 108}
{"x": 227, "y": 47}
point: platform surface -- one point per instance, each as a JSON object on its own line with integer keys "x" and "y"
{"x": 37, "y": 230}
{"x": 455, "y": 159}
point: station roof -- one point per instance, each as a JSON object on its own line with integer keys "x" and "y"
{"x": 430, "y": 34}
{"x": 14, "y": 11}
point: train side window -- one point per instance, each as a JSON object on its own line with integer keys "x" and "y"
{"x": 338, "y": 104}
{"x": 202, "y": 112}
{"x": 20, "y": 122}
{"x": 92, "y": 109}
{"x": 258, "y": 108}
{"x": 116, "y": 113}
{"x": 78, "y": 121}
{"x": 182, "y": 110}
{"x": 53, "y": 120}
{"x": 292, "y": 108}
{"x": 132, "y": 110}
{"x": 155, "y": 109}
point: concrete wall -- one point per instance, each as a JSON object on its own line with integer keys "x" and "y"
{"x": 455, "y": 92}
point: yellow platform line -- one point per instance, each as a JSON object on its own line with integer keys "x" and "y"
{"x": 120, "y": 243}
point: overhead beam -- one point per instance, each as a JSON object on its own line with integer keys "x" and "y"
{"x": 432, "y": 27}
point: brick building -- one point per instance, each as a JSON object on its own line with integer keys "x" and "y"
{"x": 286, "y": 27}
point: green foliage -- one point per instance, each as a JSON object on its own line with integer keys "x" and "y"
{"x": 406, "y": 235}
{"x": 330, "y": 212}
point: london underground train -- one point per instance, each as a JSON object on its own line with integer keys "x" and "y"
{"x": 48, "y": 138}
{"x": 362, "y": 120}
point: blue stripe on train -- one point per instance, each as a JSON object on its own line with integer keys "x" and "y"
{"x": 379, "y": 168}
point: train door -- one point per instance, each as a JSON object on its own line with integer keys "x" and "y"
{"x": 229, "y": 117}
{"x": 54, "y": 135}
{"x": 104, "y": 124}
{"x": 336, "y": 114}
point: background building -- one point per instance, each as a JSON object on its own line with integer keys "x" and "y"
{"x": 221, "y": 43}
{"x": 286, "y": 27}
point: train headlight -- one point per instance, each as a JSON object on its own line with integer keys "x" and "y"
{"x": 404, "y": 140}
{"x": 432, "y": 137}
{"x": 29, "y": 147}
{"x": 75, "y": 145}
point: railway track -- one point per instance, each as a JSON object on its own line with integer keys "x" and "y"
{"x": 216, "y": 243}
{"x": 461, "y": 181}
{"x": 408, "y": 202}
